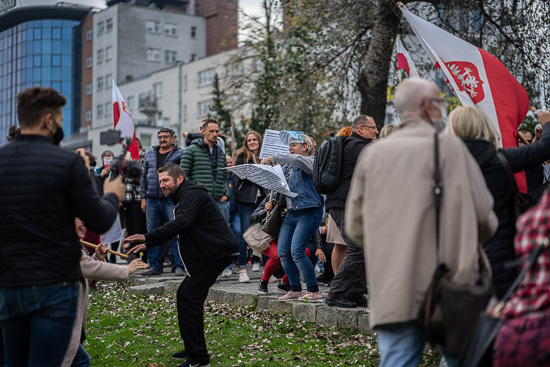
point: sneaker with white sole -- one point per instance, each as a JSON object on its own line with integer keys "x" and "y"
{"x": 243, "y": 276}
{"x": 290, "y": 296}
{"x": 227, "y": 273}
{"x": 311, "y": 297}
{"x": 256, "y": 267}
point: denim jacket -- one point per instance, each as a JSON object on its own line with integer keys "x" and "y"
{"x": 298, "y": 170}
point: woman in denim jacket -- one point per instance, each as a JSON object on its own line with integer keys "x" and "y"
{"x": 305, "y": 212}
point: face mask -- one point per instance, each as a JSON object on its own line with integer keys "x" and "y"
{"x": 58, "y": 136}
{"x": 441, "y": 123}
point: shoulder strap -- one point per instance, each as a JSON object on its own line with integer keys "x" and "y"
{"x": 437, "y": 191}
{"x": 508, "y": 172}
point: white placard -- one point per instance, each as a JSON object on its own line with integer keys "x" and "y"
{"x": 272, "y": 144}
{"x": 268, "y": 177}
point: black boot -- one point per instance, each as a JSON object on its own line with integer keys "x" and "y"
{"x": 262, "y": 287}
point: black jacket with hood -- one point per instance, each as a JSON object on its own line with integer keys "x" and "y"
{"x": 204, "y": 236}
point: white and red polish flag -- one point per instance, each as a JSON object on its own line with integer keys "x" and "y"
{"x": 123, "y": 121}
{"x": 404, "y": 60}
{"x": 477, "y": 78}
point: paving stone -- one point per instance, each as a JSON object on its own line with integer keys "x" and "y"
{"x": 262, "y": 303}
{"x": 215, "y": 294}
{"x": 305, "y": 311}
{"x": 326, "y": 316}
{"x": 244, "y": 299}
{"x": 363, "y": 323}
{"x": 171, "y": 286}
{"x": 147, "y": 289}
{"x": 347, "y": 318}
{"x": 280, "y": 306}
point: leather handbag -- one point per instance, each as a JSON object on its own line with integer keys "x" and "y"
{"x": 257, "y": 239}
{"x": 246, "y": 192}
{"x": 522, "y": 201}
{"x": 274, "y": 219}
{"x": 450, "y": 311}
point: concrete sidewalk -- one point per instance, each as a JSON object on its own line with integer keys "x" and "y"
{"x": 230, "y": 291}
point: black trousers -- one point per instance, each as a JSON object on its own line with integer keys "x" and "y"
{"x": 190, "y": 304}
{"x": 351, "y": 280}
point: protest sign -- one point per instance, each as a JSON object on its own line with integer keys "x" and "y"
{"x": 272, "y": 144}
{"x": 268, "y": 177}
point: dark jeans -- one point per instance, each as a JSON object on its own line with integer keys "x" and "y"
{"x": 244, "y": 215}
{"x": 190, "y": 304}
{"x": 159, "y": 212}
{"x": 81, "y": 358}
{"x": 350, "y": 281}
{"x": 37, "y": 323}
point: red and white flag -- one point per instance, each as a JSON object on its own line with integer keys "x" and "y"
{"x": 123, "y": 121}
{"x": 404, "y": 60}
{"x": 477, "y": 78}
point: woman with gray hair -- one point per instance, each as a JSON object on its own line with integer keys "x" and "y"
{"x": 471, "y": 124}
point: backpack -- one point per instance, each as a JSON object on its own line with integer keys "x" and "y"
{"x": 327, "y": 166}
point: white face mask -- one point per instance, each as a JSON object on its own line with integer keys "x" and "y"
{"x": 441, "y": 123}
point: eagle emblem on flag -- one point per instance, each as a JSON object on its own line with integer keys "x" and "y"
{"x": 467, "y": 78}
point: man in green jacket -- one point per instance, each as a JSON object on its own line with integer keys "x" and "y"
{"x": 201, "y": 162}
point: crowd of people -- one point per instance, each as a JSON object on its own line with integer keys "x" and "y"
{"x": 376, "y": 227}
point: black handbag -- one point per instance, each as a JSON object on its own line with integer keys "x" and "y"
{"x": 450, "y": 311}
{"x": 246, "y": 192}
{"x": 522, "y": 201}
{"x": 274, "y": 219}
{"x": 480, "y": 347}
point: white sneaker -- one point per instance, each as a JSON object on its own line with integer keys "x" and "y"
{"x": 256, "y": 267}
{"x": 227, "y": 273}
{"x": 243, "y": 276}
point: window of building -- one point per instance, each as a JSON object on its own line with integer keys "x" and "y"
{"x": 56, "y": 33}
{"x": 109, "y": 53}
{"x": 56, "y": 60}
{"x": 153, "y": 54}
{"x": 153, "y": 26}
{"x": 193, "y": 32}
{"x": 99, "y": 110}
{"x": 157, "y": 88}
{"x": 193, "y": 57}
{"x": 185, "y": 83}
{"x": 206, "y": 77}
{"x": 89, "y": 34}
{"x": 130, "y": 103}
{"x": 88, "y": 115}
{"x": 171, "y": 29}
{"x": 145, "y": 140}
{"x": 100, "y": 28}
{"x": 107, "y": 109}
{"x": 100, "y": 56}
{"x": 170, "y": 56}
{"x": 108, "y": 81}
{"x": 203, "y": 108}
{"x": 109, "y": 24}
{"x": 89, "y": 61}
{"x": 99, "y": 83}
{"x": 89, "y": 88}
{"x": 184, "y": 112}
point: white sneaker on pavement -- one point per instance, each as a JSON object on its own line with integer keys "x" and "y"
{"x": 256, "y": 267}
{"x": 227, "y": 273}
{"x": 243, "y": 276}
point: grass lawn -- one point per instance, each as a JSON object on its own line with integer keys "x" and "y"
{"x": 137, "y": 330}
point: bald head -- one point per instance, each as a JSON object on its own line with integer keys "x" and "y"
{"x": 411, "y": 94}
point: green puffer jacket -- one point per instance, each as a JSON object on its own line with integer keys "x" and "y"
{"x": 195, "y": 162}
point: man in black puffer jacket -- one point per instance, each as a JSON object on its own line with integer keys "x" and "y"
{"x": 207, "y": 246}
{"x": 42, "y": 189}
{"x": 350, "y": 282}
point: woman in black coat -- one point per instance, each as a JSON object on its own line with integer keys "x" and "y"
{"x": 471, "y": 124}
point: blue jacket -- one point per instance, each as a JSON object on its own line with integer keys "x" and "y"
{"x": 298, "y": 170}
{"x": 149, "y": 178}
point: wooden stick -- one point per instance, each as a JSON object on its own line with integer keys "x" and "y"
{"x": 109, "y": 251}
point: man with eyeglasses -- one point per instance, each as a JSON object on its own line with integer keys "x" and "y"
{"x": 157, "y": 208}
{"x": 390, "y": 211}
{"x": 349, "y": 285}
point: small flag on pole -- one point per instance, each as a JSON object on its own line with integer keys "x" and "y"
{"x": 404, "y": 60}
{"x": 123, "y": 121}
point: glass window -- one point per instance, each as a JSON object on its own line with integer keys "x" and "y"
{"x": 193, "y": 32}
{"x": 88, "y": 115}
{"x": 108, "y": 81}
{"x": 99, "y": 110}
{"x": 89, "y": 61}
{"x": 67, "y": 33}
{"x": 37, "y": 60}
{"x": 157, "y": 88}
{"x": 100, "y": 56}
{"x": 153, "y": 26}
{"x": 107, "y": 109}
{"x": 109, "y": 53}
{"x": 67, "y": 60}
{"x": 153, "y": 54}
{"x": 99, "y": 83}
{"x": 203, "y": 108}
{"x": 100, "y": 28}
{"x": 56, "y": 73}
{"x": 56, "y": 33}
{"x": 206, "y": 77}
{"x": 89, "y": 34}
{"x": 130, "y": 103}
{"x": 145, "y": 140}
{"x": 185, "y": 83}
{"x": 170, "y": 56}
{"x": 56, "y": 60}
{"x": 109, "y": 24}
{"x": 89, "y": 88}
{"x": 37, "y": 33}
{"x": 171, "y": 29}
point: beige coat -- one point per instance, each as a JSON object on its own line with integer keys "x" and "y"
{"x": 390, "y": 212}
{"x": 92, "y": 269}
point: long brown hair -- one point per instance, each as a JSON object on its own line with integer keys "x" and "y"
{"x": 248, "y": 154}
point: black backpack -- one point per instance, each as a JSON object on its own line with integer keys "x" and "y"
{"x": 328, "y": 164}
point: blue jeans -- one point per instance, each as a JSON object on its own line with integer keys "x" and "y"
{"x": 401, "y": 345}
{"x": 224, "y": 208}
{"x": 37, "y": 323}
{"x": 294, "y": 235}
{"x": 244, "y": 213}
{"x": 81, "y": 358}
{"x": 159, "y": 212}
